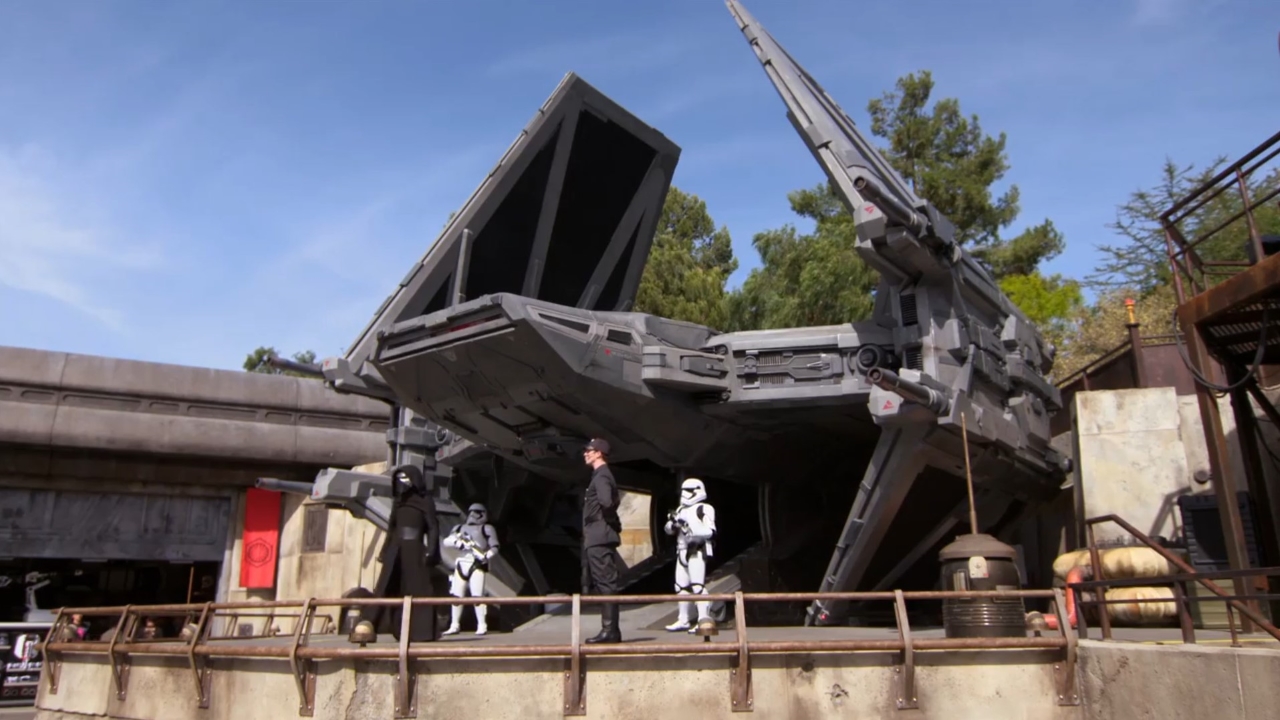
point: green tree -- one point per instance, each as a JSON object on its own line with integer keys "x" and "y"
{"x": 256, "y": 361}
{"x": 1137, "y": 266}
{"x": 1053, "y": 303}
{"x": 945, "y": 157}
{"x": 1139, "y": 262}
{"x": 689, "y": 263}
{"x": 806, "y": 280}
{"x": 819, "y": 279}
{"x": 1094, "y": 330}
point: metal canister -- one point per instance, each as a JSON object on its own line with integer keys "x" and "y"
{"x": 981, "y": 562}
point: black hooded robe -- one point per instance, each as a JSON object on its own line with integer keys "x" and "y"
{"x": 406, "y": 560}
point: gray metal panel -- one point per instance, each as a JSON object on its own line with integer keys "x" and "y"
{"x": 112, "y": 526}
{"x": 543, "y": 220}
{"x": 825, "y": 128}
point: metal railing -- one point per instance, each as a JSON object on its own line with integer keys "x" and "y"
{"x": 1103, "y": 362}
{"x": 1185, "y": 260}
{"x": 1243, "y": 603}
{"x": 199, "y": 645}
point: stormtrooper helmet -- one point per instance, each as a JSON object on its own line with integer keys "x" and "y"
{"x": 692, "y": 491}
{"x": 477, "y": 514}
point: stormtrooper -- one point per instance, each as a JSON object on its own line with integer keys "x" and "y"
{"x": 694, "y": 525}
{"x": 478, "y": 542}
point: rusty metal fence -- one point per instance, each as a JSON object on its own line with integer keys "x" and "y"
{"x": 200, "y": 644}
{"x": 1192, "y": 272}
{"x": 1241, "y": 601}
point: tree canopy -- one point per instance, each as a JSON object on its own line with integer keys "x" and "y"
{"x": 689, "y": 263}
{"x": 1139, "y": 262}
{"x": 811, "y": 279}
{"x": 819, "y": 279}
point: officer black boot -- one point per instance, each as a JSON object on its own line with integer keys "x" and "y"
{"x": 609, "y": 632}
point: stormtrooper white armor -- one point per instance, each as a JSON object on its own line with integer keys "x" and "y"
{"x": 478, "y": 542}
{"x": 694, "y": 525}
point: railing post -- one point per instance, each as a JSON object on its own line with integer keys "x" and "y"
{"x": 1135, "y": 346}
{"x": 1184, "y": 613}
{"x": 406, "y": 698}
{"x": 1254, "y": 238}
{"x": 1095, "y": 559}
{"x": 907, "y": 673}
{"x": 575, "y": 676}
{"x": 741, "y": 696}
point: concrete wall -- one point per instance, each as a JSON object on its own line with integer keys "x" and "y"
{"x": 1191, "y": 429}
{"x": 1131, "y": 460}
{"x": 1136, "y": 451}
{"x": 64, "y": 400}
{"x": 1173, "y": 682}
{"x": 1115, "y": 681}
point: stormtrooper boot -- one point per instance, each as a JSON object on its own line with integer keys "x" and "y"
{"x": 455, "y": 620}
{"x": 481, "y": 626}
{"x": 682, "y": 620}
{"x": 704, "y": 613}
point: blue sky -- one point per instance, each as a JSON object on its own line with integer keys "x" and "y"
{"x": 182, "y": 182}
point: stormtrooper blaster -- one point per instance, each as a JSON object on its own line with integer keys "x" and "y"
{"x": 469, "y": 544}
{"x": 677, "y": 521}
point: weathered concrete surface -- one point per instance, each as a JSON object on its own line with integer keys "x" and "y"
{"x": 1116, "y": 681}
{"x": 1131, "y": 460}
{"x": 1191, "y": 428}
{"x": 793, "y": 686}
{"x": 1178, "y": 682}
{"x": 66, "y": 400}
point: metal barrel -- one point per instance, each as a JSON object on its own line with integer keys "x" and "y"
{"x": 908, "y": 389}
{"x": 981, "y": 562}
{"x": 280, "y": 363}
{"x": 289, "y": 486}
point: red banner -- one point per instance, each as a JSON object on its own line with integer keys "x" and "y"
{"x": 261, "y": 539}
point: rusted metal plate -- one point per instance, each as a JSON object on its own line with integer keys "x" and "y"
{"x": 1233, "y": 335}
{"x": 1258, "y": 282}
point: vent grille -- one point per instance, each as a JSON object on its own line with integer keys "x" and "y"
{"x": 907, "y": 305}
{"x": 914, "y": 360}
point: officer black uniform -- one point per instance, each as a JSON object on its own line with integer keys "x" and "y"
{"x": 601, "y": 536}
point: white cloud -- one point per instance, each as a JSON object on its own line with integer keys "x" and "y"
{"x": 48, "y": 243}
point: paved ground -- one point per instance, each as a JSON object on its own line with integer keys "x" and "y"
{"x": 17, "y": 713}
